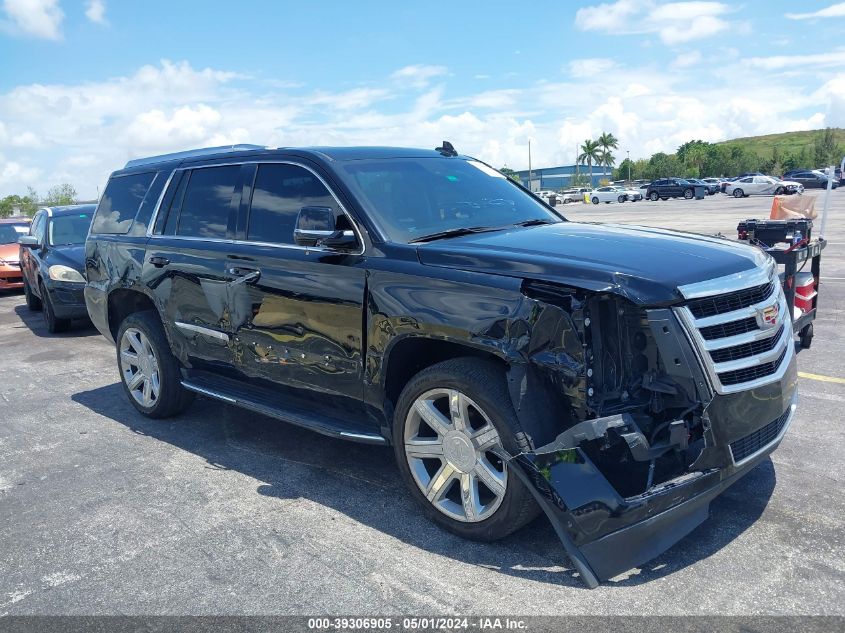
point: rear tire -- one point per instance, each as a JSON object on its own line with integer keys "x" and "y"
{"x": 149, "y": 372}
{"x": 738, "y": 193}
{"x": 55, "y": 325}
{"x": 32, "y": 302}
{"x": 442, "y": 457}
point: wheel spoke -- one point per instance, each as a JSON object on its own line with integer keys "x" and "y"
{"x": 135, "y": 381}
{"x": 432, "y": 417}
{"x": 469, "y": 497}
{"x": 424, "y": 448}
{"x": 458, "y": 410}
{"x": 440, "y": 482}
{"x": 485, "y": 438}
{"x": 490, "y": 479}
{"x": 130, "y": 358}
{"x": 148, "y": 389}
{"x": 135, "y": 342}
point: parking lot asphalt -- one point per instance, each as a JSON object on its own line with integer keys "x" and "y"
{"x": 221, "y": 511}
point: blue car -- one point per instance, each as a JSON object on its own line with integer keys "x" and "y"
{"x": 52, "y": 262}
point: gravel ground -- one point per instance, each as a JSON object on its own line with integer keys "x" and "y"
{"x": 224, "y": 512}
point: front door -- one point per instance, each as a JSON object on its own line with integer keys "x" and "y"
{"x": 297, "y": 317}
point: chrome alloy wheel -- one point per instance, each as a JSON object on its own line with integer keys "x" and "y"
{"x": 139, "y": 367}
{"x": 447, "y": 444}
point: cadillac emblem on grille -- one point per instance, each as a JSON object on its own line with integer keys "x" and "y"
{"x": 768, "y": 317}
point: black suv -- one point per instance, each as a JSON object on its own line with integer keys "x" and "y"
{"x": 616, "y": 378}
{"x": 666, "y": 188}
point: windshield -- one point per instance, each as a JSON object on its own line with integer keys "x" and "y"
{"x": 417, "y": 197}
{"x": 69, "y": 229}
{"x": 9, "y": 233}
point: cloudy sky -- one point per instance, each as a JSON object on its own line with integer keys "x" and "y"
{"x": 87, "y": 84}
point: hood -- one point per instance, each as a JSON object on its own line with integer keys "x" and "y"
{"x": 644, "y": 265}
{"x": 73, "y": 256}
{"x": 10, "y": 252}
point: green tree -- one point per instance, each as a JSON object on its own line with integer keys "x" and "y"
{"x": 29, "y": 203}
{"x": 510, "y": 173}
{"x": 825, "y": 149}
{"x": 606, "y": 141}
{"x": 590, "y": 152}
{"x": 60, "y": 195}
{"x": 9, "y": 205}
{"x": 695, "y": 156}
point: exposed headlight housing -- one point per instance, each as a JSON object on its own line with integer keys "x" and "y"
{"x": 65, "y": 273}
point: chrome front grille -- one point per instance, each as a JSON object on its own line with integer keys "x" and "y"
{"x": 740, "y": 327}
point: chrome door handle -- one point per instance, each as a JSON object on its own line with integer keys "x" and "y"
{"x": 244, "y": 275}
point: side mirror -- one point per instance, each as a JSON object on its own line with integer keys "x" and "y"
{"x": 317, "y": 226}
{"x": 29, "y": 240}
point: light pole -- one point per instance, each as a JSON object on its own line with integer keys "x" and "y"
{"x": 530, "y": 186}
{"x": 628, "y": 152}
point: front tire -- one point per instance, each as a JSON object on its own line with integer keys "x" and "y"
{"x": 149, "y": 372}
{"x": 595, "y": 200}
{"x": 779, "y": 191}
{"x": 688, "y": 194}
{"x": 653, "y": 196}
{"x": 55, "y": 325}
{"x": 621, "y": 199}
{"x": 447, "y": 419}
{"x": 32, "y": 302}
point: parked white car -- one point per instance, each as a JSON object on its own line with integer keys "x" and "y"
{"x": 761, "y": 186}
{"x": 633, "y": 195}
{"x": 607, "y": 195}
{"x": 570, "y": 195}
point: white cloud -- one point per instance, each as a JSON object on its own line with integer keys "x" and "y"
{"x": 684, "y": 60}
{"x": 673, "y": 22}
{"x": 418, "y": 75}
{"x": 81, "y": 132}
{"x": 38, "y": 18}
{"x": 802, "y": 62}
{"x": 590, "y": 67}
{"x": 95, "y": 10}
{"x": 833, "y": 11}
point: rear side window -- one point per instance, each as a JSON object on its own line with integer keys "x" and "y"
{"x": 280, "y": 191}
{"x": 120, "y": 203}
{"x": 207, "y": 202}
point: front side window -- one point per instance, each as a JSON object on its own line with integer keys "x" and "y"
{"x": 279, "y": 193}
{"x": 67, "y": 230}
{"x": 207, "y": 202}
{"x": 38, "y": 224}
{"x": 411, "y": 198}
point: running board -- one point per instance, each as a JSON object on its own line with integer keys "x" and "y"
{"x": 298, "y": 418}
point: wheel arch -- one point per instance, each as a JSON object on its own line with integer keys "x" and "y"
{"x": 125, "y": 301}
{"x": 409, "y": 355}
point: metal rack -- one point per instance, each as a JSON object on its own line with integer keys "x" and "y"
{"x": 793, "y": 260}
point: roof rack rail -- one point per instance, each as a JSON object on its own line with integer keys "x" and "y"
{"x": 192, "y": 153}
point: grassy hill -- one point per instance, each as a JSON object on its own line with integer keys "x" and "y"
{"x": 787, "y": 142}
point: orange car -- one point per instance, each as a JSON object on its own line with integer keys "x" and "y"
{"x": 10, "y": 269}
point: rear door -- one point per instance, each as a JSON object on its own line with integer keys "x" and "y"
{"x": 186, "y": 259}
{"x": 298, "y": 321}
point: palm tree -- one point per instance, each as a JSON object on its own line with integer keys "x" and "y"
{"x": 607, "y": 159}
{"x": 695, "y": 156}
{"x": 590, "y": 152}
{"x": 607, "y": 142}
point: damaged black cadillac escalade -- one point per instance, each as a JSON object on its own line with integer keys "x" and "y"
{"x": 616, "y": 378}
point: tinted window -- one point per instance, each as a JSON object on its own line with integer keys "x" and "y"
{"x": 120, "y": 202}
{"x": 69, "y": 229}
{"x": 746, "y": 180}
{"x": 208, "y": 198}
{"x": 38, "y": 225}
{"x": 279, "y": 193}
